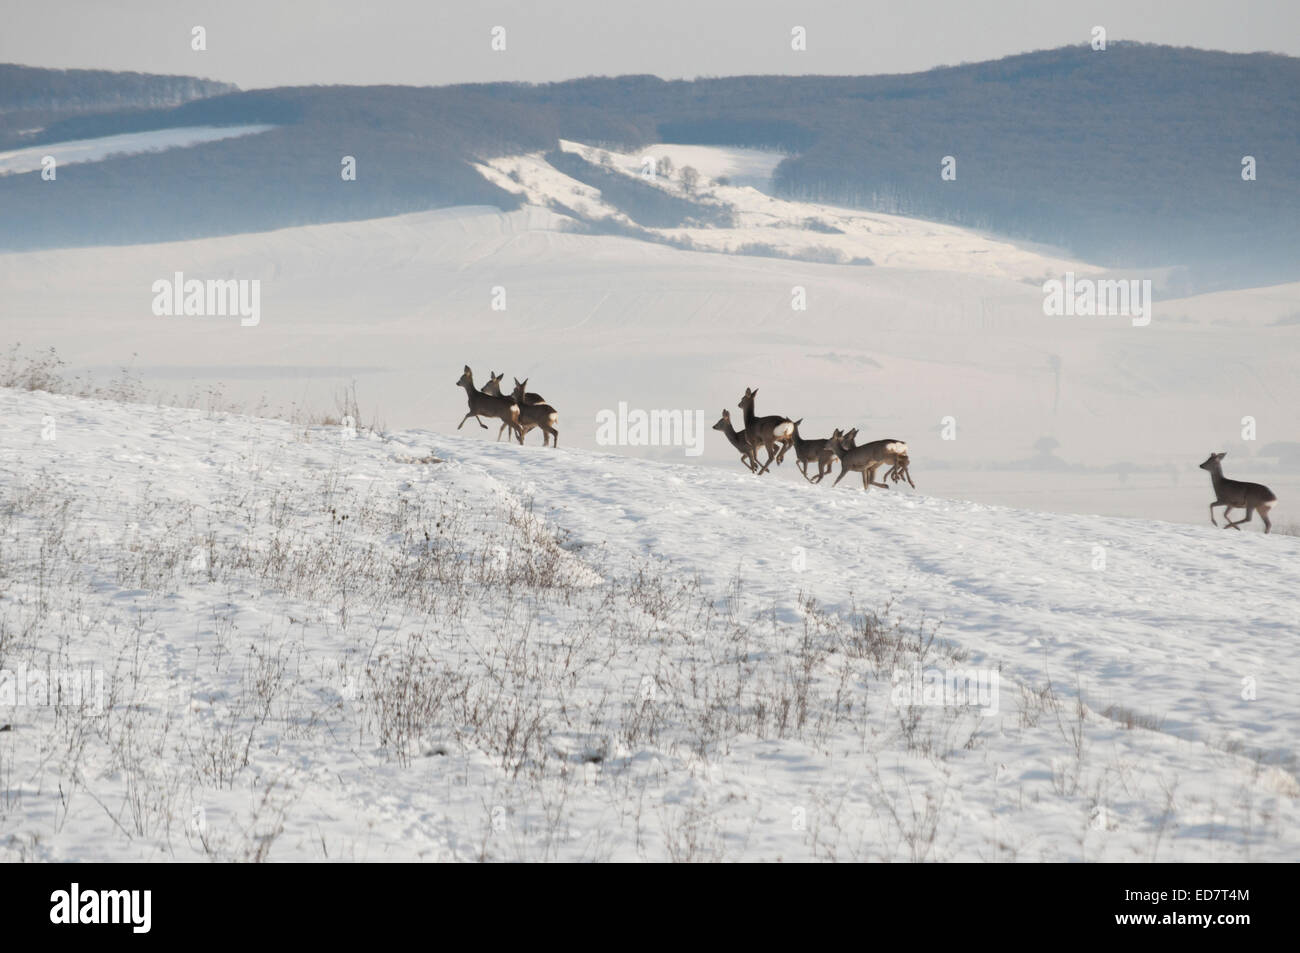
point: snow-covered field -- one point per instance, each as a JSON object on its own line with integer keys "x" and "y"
{"x": 427, "y": 645}
{"x": 806, "y": 230}
{"x": 400, "y": 304}
{"x": 133, "y": 143}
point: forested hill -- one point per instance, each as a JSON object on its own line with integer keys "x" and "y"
{"x": 1131, "y": 156}
{"x": 33, "y": 96}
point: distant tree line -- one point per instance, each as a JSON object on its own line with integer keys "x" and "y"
{"x": 1128, "y": 156}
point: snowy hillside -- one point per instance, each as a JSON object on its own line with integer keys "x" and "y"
{"x": 400, "y": 304}
{"x": 778, "y": 227}
{"x": 319, "y": 645}
{"x": 134, "y": 143}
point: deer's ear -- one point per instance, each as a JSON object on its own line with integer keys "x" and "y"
{"x": 466, "y": 368}
{"x": 1222, "y": 455}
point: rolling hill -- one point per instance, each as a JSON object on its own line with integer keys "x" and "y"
{"x": 1130, "y": 157}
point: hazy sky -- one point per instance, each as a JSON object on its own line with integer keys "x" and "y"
{"x": 422, "y": 42}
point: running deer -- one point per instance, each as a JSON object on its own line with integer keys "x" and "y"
{"x": 773, "y": 432}
{"x": 534, "y": 415}
{"x": 1231, "y": 494}
{"x": 528, "y": 397}
{"x": 737, "y": 440}
{"x": 524, "y": 401}
{"x": 812, "y": 451}
{"x": 488, "y": 405}
{"x": 899, "y": 471}
{"x": 868, "y": 458}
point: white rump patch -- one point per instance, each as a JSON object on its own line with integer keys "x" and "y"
{"x": 896, "y": 447}
{"x": 783, "y": 430}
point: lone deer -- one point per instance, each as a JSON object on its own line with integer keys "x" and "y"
{"x": 868, "y": 458}
{"x": 488, "y": 405}
{"x": 812, "y": 451}
{"x": 1231, "y": 494}
{"x": 737, "y": 440}
{"x": 534, "y": 415}
{"x": 771, "y": 432}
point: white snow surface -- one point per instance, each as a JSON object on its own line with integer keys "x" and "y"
{"x": 93, "y": 150}
{"x": 840, "y": 234}
{"x": 399, "y": 304}
{"x": 241, "y": 723}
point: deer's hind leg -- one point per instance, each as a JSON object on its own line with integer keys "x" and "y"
{"x": 774, "y": 452}
{"x": 1263, "y": 514}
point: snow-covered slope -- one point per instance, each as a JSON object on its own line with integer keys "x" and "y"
{"x": 593, "y": 321}
{"x": 434, "y": 646}
{"x": 806, "y": 230}
{"x": 133, "y": 143}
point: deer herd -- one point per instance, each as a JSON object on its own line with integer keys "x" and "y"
{"x": 523, "y": 411}
{"x": 777, "y": 435}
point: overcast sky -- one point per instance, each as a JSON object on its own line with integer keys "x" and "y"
{"x": 427, "y": 42}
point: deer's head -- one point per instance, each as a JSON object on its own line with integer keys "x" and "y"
{"x": 724, "y": 422}
{"x": 1212, "y": 460}
{"x": 466, "y": 379}
{"x": 747, "y": 401}
{"x": 520, "y": 386}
